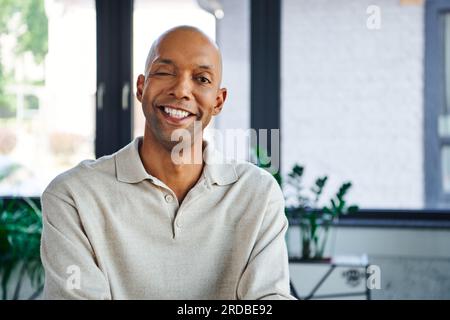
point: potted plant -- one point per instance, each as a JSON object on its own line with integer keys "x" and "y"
{"x": 315, "y": 220}
{"x": 20, "y": 235}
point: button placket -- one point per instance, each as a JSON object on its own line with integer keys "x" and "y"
{"x": 169, "y": 198}
{"x": 177, "y": 223}
{"x": 191, "y": 198}
{"x": 198, "y": 190}
{"x": 170, "y": 202}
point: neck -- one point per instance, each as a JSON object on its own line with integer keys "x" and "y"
{"x": 178, "y": 176}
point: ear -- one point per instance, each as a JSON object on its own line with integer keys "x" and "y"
{"x": 140, "y": 87}
{"x": 220, "y": 100}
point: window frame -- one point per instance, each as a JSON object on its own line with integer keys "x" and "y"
{"x": 434, "y": 98}
{"x": 114, "y": 72}
{"x": 265, "y": 46}
{"x": 433, "y": 91}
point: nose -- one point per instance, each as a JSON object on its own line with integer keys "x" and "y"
{"x": 182, "y": 88}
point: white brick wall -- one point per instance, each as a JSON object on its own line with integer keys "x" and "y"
{"x": 352, "y": 98}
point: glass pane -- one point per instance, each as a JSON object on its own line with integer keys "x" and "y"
{"x": 444, "y": 125}
{"x": 47, "y": 91}
{"x": 447, "y": 63}
{"x": 153, "y": 17}
{"x": 446, "y": 169}
{"x": 444, "y": 119}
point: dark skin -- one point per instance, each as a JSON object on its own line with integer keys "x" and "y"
{"x": 183, "y": 72}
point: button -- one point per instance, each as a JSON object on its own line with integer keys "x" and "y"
{"x": 169, "y": 198}
{"x": 177, "y": 224}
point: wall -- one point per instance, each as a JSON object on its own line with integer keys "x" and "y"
{"x": 352, "y": 98}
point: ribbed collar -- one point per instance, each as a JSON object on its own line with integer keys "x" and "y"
{"x": 130, "y": 169}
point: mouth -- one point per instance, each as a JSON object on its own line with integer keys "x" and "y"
{"x": 174, "y": 114}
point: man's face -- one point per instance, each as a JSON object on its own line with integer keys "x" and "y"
{"x": 181, "y": 85}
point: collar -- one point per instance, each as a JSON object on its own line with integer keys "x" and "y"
{"x": 130, "y": 169}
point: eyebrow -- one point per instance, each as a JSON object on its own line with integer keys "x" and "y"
{"x": 163, "y": 61}
{"x": 170, "y": 62}
{"x": 205, "y": 67}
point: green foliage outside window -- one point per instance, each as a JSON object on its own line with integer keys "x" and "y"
{"x": 34, "y": 39}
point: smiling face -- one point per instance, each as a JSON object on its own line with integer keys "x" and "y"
{"x": 181, "y": 85}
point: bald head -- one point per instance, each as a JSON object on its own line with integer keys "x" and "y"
{"x": 182, "y": 35}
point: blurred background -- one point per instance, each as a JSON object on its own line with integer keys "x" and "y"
{"x": 359, "y": 90}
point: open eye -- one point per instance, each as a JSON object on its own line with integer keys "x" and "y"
{"x": 203, "y": 80}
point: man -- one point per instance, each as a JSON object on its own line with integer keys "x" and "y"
{"x": 148, "y": 223}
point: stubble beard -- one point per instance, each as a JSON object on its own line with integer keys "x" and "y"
{"x": 164, "y": 136}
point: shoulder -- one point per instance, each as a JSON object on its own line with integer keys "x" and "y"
{"x": 258, "y": 180}
{"x": 84, "y": 174}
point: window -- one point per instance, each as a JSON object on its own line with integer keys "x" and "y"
{"x": 353, "y": 101}
{"x": 47, "y": 91}
{"x": 64, "y": 84}
{"x": 437, "y": 104}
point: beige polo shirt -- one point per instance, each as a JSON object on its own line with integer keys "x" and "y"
{"x": 113, "y": 231}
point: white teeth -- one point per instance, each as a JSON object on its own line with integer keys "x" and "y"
{"x": 176, "y": 113}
